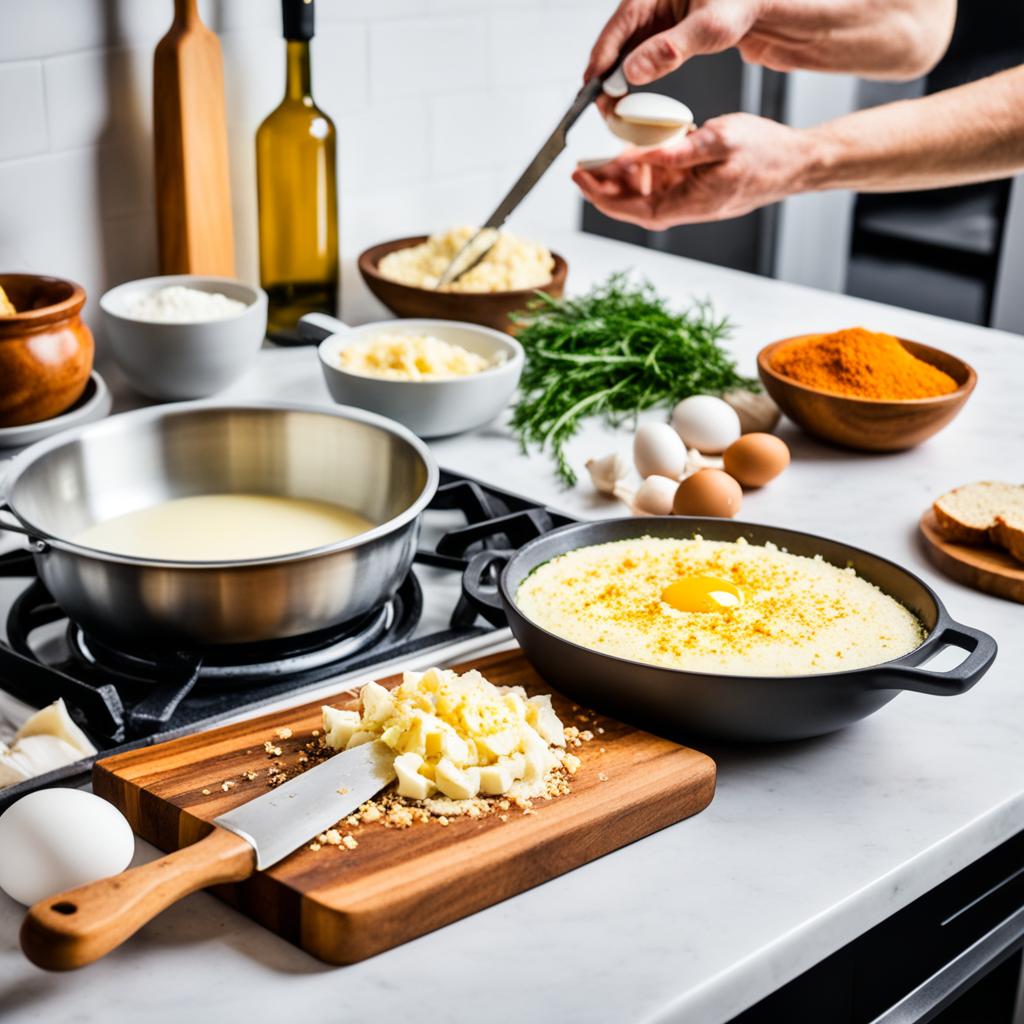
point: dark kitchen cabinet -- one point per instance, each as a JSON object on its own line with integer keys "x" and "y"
{"x": 953, "y": 956}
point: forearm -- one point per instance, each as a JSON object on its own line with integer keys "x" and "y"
{"x": 884, "y": 39}
{"x": 972, "y": 133}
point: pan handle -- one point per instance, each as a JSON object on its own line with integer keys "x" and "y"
{"x": 483, "y": 595}
{"x": 34, "y": 542}
{"x": 317, "y": 326}
{"x": 981, "y": 652}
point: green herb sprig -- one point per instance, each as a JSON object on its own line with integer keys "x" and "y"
{"x": 613, "y": 352}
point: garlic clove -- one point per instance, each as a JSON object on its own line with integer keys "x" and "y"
{"x": 607, "y": 471}
{"x": 655, "y": 496}
{"x": 698, "y": 460}
{"x": 625, "y": 493}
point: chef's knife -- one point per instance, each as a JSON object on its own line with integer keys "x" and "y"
{"x": 79, "y": 926}
{"x": 614, "y": 84}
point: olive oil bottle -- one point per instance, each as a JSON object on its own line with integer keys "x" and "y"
{"x": 297, "y": 188}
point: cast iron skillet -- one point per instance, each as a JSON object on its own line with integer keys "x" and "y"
{"x": 731, "y": 707}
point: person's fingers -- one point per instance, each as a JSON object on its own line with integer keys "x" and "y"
{"x": 638, "y": 178}
{"x": 620, "y": 26}
{"x": 707, "y": 30}
{"x": 773, "y": 56}
{"x": 593, "y": 187}
{"x": 708, "y": 144}
{"x": 605, "y": 104}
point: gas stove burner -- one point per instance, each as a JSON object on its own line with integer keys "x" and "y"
{"x": 246, "y": 663}
{"x": 127, "y": 697}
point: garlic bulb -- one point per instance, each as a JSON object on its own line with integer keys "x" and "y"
{"x": 758, "y": 413}
{"x": 607, "y": 471}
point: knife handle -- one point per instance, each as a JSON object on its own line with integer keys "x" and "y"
{"x": 81, "y": 925}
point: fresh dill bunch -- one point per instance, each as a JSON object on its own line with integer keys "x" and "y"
{"x": 613, "y": 352}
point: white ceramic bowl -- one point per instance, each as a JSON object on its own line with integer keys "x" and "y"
{"x": 184, "y": 360}
{"x": 430, "y": 408}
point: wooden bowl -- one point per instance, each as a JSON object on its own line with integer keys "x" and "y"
{"x": 46, "y": 350}
{"x": 488, "y": 308}
{"x": 868, "y": 424}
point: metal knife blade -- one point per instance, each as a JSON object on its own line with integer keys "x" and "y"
{"x": 280, "y": 821}
{"x": 546, "y": 156}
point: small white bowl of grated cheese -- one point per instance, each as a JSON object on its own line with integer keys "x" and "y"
{"x": 437, "y": 377}
{"x": 184, "y": 336}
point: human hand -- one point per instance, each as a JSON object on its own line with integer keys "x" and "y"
{"x": 659, "y": 35}
{"x": 896, "y": 39}
{"x": 728, "y": 167}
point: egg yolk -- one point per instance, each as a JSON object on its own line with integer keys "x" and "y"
{"x": 702, "y": 594}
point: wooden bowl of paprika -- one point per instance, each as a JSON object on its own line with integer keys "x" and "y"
{"x": 867, "y": 391}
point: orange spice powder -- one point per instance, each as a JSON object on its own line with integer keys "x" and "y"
{"x": 860, "y": 363}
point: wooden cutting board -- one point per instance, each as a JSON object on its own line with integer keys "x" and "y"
{"x": 344, "y": 905}
{"x": 981, "y": 566}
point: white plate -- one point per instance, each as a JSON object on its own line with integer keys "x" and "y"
{"x": 93, "y": 405}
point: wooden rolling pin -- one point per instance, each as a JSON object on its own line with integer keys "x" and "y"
{"x": 193, "y": 184}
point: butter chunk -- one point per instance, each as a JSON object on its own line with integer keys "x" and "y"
{"x": 339, "y": 726}
{"x": 460, "y": 733}
{"x": 541, "y": 715}
{"x": 410, "y": 782}
{"x": 458, "y": 783}
{"x": 35, "y": 755}
{"x": 359, "y": 738}
{"x": 496, "y": 779}
{"x": 376, "y": 703}
{"x": 54, "y": 720}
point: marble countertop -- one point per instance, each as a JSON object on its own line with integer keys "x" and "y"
{"x": 805, "y": 846}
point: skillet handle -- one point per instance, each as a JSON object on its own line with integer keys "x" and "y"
{"x": 981, "y": 650}
{"x": 484, "y": 596}
{"x": 317, "y": 326}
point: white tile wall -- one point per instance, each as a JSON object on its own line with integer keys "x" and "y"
{"x": 22, "y": 124}
{"x": 438, "y": 103}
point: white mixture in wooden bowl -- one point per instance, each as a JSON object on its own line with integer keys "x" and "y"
{"x": 730, "y": 608}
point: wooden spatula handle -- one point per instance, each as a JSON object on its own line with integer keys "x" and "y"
{"x": 83, "y": 924}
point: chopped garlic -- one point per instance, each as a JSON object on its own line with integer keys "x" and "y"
{"x": 457, "y": 734}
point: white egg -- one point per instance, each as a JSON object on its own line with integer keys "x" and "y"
{"x": 648, "y": 118}
{"x": 655, "y": 496}
{"x": 658, "y": 451}
{"x": 706, "y": 423}
{"x": 57, "y": 839}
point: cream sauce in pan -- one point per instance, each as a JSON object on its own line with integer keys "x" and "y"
{"x": 224, "y": 527}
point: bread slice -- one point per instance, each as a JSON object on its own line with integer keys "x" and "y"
{"x": 1008, "y": 532}
{"x": 967, "y": 514}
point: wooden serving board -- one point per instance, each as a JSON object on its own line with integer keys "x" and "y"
{"x": 981, "y": 566}
{"x": 345, "y": 905}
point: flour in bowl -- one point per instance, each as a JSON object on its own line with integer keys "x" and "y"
{"x": 178, "y": 304}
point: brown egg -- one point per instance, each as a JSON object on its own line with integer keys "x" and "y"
{"x": 755, "y": 459}
{"x": 708, "y": 492}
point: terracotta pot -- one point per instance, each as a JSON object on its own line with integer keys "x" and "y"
{"x": 46, "y": 350}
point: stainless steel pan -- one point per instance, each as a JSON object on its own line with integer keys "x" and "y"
{"x": 733, "y": 707}
{"x": 368, "y": 463}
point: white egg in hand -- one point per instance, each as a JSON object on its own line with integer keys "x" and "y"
{"x": 706, "y": 423}
{"x": 57, "y": 839}
{"x": 658, "y": 451}
{"x": 649, "y": 119}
